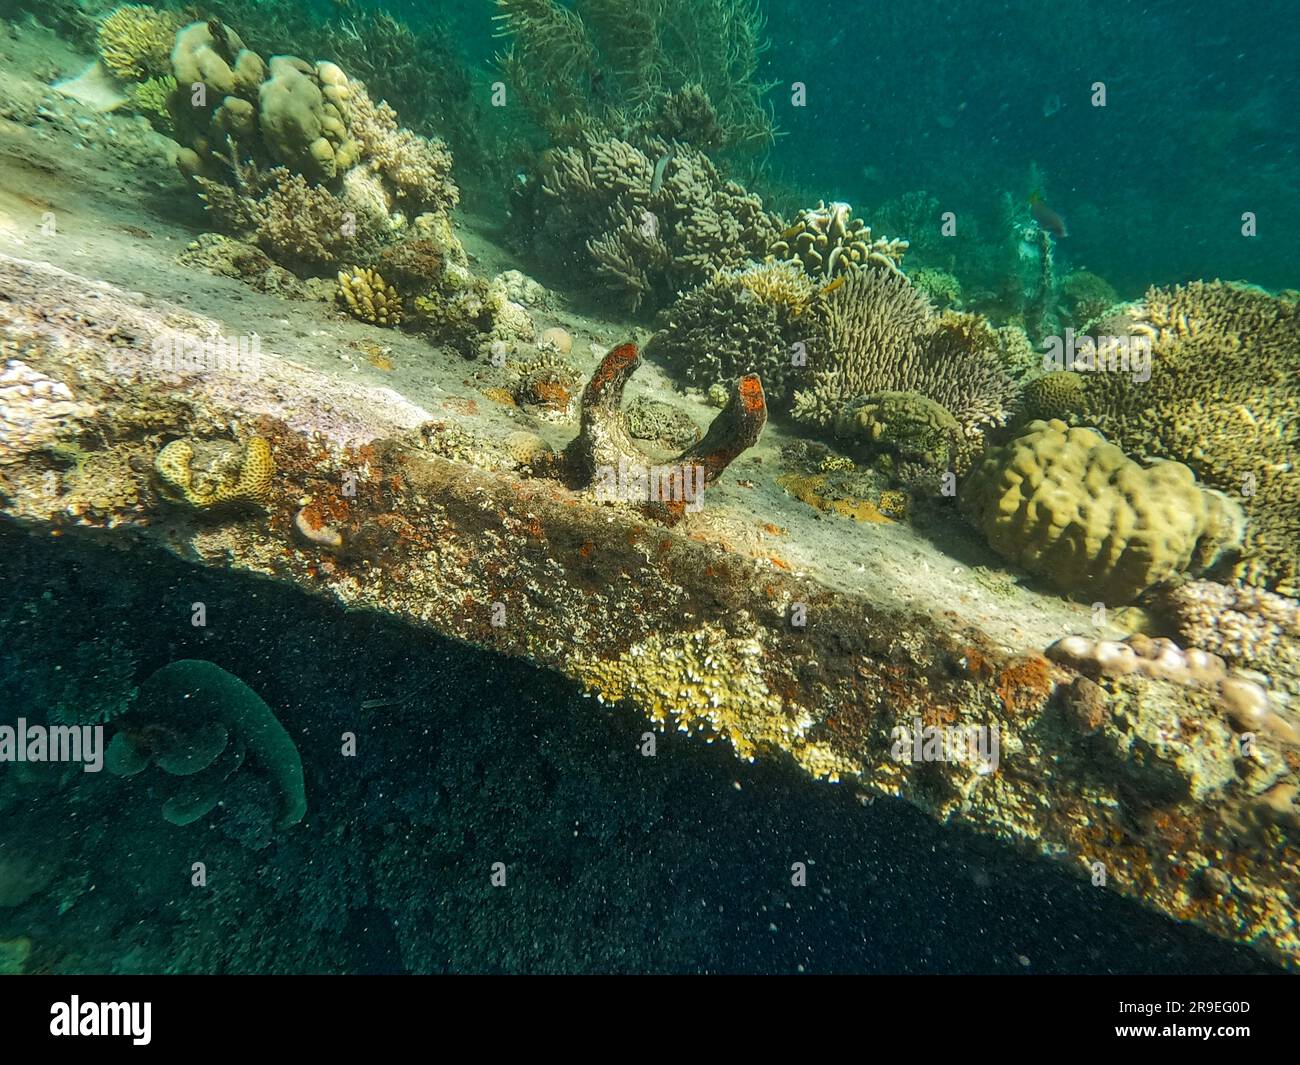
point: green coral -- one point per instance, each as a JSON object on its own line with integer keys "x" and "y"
{"x": 1065, "y": 504}
{"x": 1224, "y": 398}
{"x": 909, "y": 427}
{"x": 941, "y": 287}
{"x": 1086, "y": 296}
{"x": 135, "y": 41}
{"x": 195, "y": 721}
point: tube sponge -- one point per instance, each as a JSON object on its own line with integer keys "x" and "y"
{"x": 1068, "y": 506}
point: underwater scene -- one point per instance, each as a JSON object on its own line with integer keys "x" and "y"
{"x": 649, "y": 487}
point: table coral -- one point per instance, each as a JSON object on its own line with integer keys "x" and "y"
{"x": 1066, "y": 505}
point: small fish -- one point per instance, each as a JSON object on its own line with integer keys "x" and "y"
{"x": 826, "y": 290}
{"x": 1052, "y": 222}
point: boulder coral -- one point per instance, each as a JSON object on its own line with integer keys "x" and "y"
{"x": 1224, "y": 398}
{"x": 296, "y": 156}
{"x": 1068, "y": 506}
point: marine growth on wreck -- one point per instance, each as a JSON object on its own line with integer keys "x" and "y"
{"x": 419, "y": 421}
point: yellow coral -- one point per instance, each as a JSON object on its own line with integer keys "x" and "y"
{"x": 226, "y": 475}
{"x": 1068, "y": 506}
{"x": 135, "y": 41}
{"x": 369, "y": 297}
{"x": 1223, "y": 398}
{"x": 708, "y": 681}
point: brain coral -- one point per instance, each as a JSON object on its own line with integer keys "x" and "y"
{"x": 878, "y": 334}
{"x": 1224, "y": 398}
{"x": 1066, "y": 505}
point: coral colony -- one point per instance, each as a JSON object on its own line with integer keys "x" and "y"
{"x": 364, "y": 367}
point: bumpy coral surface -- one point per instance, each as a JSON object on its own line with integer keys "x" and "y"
{"x": 1066, "y": 505}
{"x": 648, "y": 225}
{"x": 829, "y": 241}
{"x": 1224, "y": 398}
{"x": 880, "y": 335}
{"x": 1061, "y": 394}
{"x": 216, "y": 474}
{"x": 738, "y": 322}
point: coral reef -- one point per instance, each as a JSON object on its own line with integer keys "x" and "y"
{"x": 35, "y": 411}
{"x": 1061, "y": 395}
{"x": 880, "y": 335}
{"x": 907, "y": 427}
{"x": 1244, "y": 702}
{"x": 613, "y": 66}
{"x": 135, "y": 41}
{"x": 1223, "y": 398}
{"x": 603, "y": 454}
{"x": 296, "y": 157}
{"x": 738, "y": 322}
{"x": 1086, "y": 296}
{"x": 1245, "y": 625}
{"x": 1066, "y": 505}
{"x": 369, "y": 297}
{"x": 645, "y": 228}
{"x": 216, "y": 474}
{"x": 828, "y": 241}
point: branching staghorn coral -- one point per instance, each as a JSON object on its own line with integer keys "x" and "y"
{"x": 880, "y": 335}
{"x": 648, "y": 226}
{"x": 135, "y": 41}
{"x": 1223, "y": 398}
{"x": 612, "y": 66}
